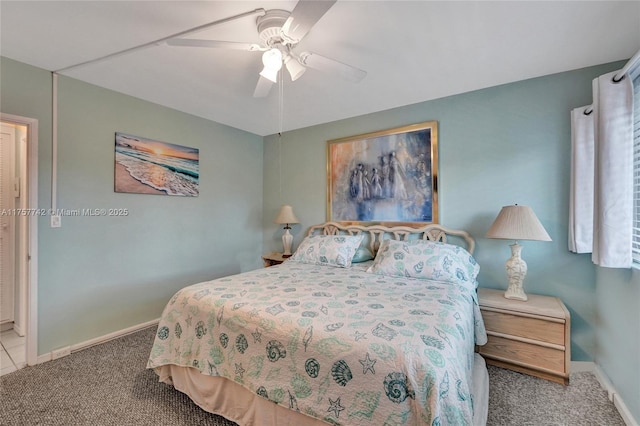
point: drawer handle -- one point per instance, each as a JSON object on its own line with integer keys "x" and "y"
{"x": 525, "y": 340}
{"x": 524, "y": 314}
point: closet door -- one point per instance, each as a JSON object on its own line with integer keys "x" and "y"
{"x": 7, "y": 222}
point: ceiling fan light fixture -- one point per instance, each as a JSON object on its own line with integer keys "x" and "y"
{"x": 295, "y": 68}
{"x": 272, "y": 59}
{"x": 270, "y": 74}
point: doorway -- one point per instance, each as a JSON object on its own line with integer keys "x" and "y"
{"x": 18, "y": 242}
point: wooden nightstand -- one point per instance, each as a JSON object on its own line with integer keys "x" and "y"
{"x": 273, "y": 259}
{"x": 531, "y": 337}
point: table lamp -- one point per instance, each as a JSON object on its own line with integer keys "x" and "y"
{"x": 286, "y": 217}
{"x": 517, "y": 223}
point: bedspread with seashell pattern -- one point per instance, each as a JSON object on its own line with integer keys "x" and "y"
{"x": 338, "y": 344}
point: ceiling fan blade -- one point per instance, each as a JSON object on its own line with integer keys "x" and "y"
{"x": 216, "y": 44}
{"x": 331, "y": 66}
{"x": 303, "y": 17}
{"x": 262, "y": 88}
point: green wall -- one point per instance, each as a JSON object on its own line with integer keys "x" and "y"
{"x": 618, "y": 332}
{"x": 102, "y": 274}
{"x": 498, "y": 146}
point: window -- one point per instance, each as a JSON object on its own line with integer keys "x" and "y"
{"x": 636, "y": 167}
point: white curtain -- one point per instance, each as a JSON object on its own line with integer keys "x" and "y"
{"x": 582, "y": 177}
{"x": 613, "y": 161}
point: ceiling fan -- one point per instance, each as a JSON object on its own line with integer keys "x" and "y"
{"x": 280, "y": 32}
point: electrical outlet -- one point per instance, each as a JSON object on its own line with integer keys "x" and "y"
{"x": 56, "y": 221}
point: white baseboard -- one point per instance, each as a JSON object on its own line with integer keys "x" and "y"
{"x": 591, "y": 367}
{"x": 107, "y": 337}
{"x": 12, "y": 325}
{"x": 44, "y": 358}
{"x": 18, "y": 330}
{"x": 614, "y": 397}
{"x": 60, "y": 352}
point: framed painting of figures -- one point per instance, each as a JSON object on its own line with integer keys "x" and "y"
{"x": 387, "y": 177}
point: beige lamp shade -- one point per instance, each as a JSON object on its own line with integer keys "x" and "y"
{"x": 517, "y": 223}
{"x": 286, "y": 215}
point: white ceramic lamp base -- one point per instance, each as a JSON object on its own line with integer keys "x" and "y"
{"x": 516, "y": 271}
{"x": 287, "y": 240}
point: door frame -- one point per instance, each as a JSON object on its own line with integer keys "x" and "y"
{"x": 10, "y": 291}
{"x": 31, "y": 293}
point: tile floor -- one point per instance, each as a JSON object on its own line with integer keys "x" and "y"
{"x": 13, "y": 355}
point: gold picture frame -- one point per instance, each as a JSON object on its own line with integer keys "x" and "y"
{"x": 386, "y": 177}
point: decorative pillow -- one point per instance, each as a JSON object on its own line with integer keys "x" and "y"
{"x": 333, "y": 250}
{"x": 362, "y": 255}
{"x": 425, "y": 260}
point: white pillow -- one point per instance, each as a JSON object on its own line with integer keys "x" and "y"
{"x": 425, "y": 260}
{"x": 332, "y": 250}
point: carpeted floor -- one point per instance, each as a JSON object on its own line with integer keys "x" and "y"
{"x": 518, "y": 399}
{"x": 109, "y": 385}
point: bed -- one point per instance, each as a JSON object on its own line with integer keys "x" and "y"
{"x": 363, "y": 325}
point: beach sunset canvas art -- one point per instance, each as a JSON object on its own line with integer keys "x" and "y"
{"x": 145, "y": 166}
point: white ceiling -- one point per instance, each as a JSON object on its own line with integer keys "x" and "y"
{"x": 413, "y": 51}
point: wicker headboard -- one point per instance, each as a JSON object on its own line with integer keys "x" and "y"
{"x": 375, "y": 234}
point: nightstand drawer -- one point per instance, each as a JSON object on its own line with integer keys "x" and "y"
{"x": 527, "y": 327}
{"x": 523, "y": 353}
{"x": 531, "y": 337}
